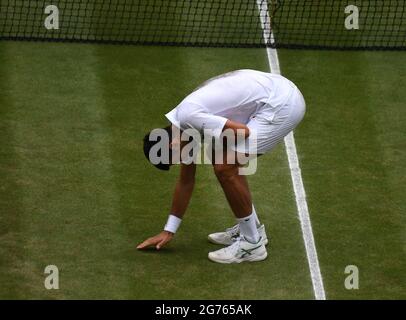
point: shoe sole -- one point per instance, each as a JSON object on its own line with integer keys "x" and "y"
{"x": 249, "y": 259}
{"x": 229, "y": 244}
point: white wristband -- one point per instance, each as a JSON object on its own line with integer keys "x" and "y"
{"x": 172, "y": 224}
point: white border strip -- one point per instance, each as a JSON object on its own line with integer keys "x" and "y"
{"x": 295, "y": 171}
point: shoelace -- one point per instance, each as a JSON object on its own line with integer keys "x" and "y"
{"x": 233, "y": 230}
{"x": 234, "y": 247}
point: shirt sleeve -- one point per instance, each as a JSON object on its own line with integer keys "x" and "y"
{"x": 172, "y": 117}
{"x": 193, "y": 116}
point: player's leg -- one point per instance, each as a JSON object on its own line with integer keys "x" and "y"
{"x": 236, "y": 190}
{"x": 248, "y": 245}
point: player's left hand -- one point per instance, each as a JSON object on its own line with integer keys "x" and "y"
{"x": 158, "y": 241}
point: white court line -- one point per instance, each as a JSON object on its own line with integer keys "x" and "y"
{"x": 295, "y": 171}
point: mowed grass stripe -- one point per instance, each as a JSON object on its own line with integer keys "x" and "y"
{"x": 352, "y": 162}
{"x": 271, "y": 190}
{"x": 386, "y": 106}
{"x": 140, "y": 85}
{"x": 68, "y": 214}
{"x": 10, "y": 192}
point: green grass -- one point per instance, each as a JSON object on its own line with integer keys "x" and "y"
{"x": 76, "y": 191}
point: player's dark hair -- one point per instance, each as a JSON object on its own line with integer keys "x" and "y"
{"x": 148, "y": 144}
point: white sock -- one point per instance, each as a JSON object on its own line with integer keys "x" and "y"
{"x": 256, "y": 217}
{"x": 248, "y": 228}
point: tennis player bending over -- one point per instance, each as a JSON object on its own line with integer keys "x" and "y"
{"x": 246, "y": 102}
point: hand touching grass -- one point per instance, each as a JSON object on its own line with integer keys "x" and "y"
{"x": 157, "y": 241}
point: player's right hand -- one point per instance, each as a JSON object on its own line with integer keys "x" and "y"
{"x": 157, "y": 241}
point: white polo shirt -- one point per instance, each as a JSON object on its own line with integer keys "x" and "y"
{"x": 237, "y": 96}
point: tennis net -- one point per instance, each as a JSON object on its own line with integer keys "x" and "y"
{"x": 334, "y": 24}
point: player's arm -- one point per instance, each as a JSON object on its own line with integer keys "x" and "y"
{"x": 192, "y": 116}
{"x": 183, "y": 189}
{"x": 238, "y": 128}
{"x": 181, "y": 197}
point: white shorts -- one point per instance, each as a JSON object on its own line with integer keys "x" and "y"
{"x": 270, "y": 124}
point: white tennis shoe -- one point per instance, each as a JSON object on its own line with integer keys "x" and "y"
{"x": 241, "y": 250}
{"x": 229, "y": 236}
